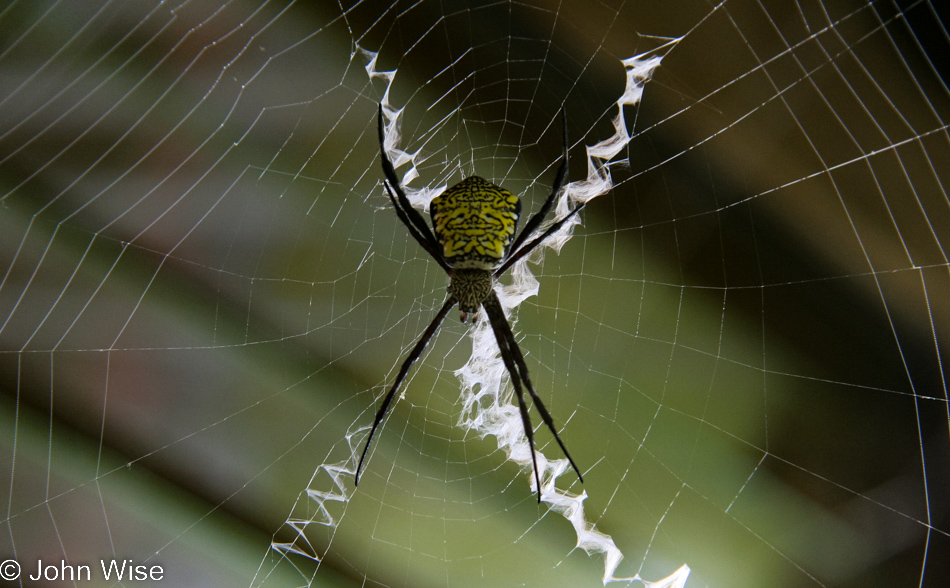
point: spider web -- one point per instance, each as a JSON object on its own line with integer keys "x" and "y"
{"x": 204, "y": 293}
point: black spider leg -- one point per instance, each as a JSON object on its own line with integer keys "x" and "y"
{"x": 539, "y": 216}
{"x": 529, "y": 247}
{"x": 403, "y": 371}
{"x": 511, "y": 355}
{"x": 497, "y": 317}
{"x": 523, "y": 369}
{"x": 517, "y": 249}
{"x": 407, "y": 214}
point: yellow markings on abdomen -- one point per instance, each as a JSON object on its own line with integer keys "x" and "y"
{"x": 475, "y": 222}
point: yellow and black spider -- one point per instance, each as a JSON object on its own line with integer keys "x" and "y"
{"x": 474, "y": 241}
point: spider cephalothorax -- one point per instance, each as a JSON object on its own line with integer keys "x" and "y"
{"x": 473, "y": 239}
{"x": 471, "y": 287}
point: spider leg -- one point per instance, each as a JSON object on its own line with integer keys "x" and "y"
{"x": 539, "y": 216}
{"x": 545, "y": 415}
{"x": 512, "y": 356}
{"x": 403, "y": 371}
{"x": 434, "y": 253}
{"x": 407, "y": 214}
{"x": 529, "y": 247}
{"x": 496, "y": 321}
{"x": 493, "y": 306}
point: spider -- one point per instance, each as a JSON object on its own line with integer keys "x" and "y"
{"x": 473, "y": 239}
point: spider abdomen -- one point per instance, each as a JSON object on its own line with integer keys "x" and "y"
{"x": 475, "y": 222}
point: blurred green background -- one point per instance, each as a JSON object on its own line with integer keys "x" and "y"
{"x": 204, "y": 290}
